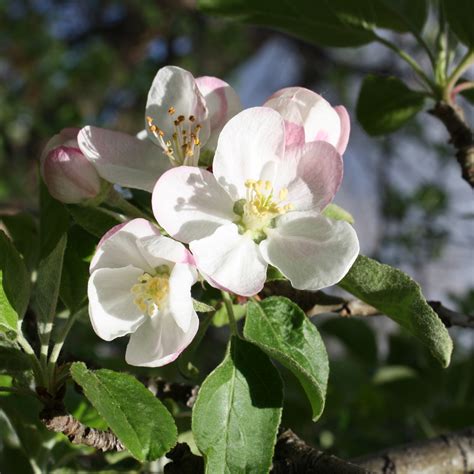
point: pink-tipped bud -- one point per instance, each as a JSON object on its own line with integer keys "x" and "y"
{"x": 70, "y": 177}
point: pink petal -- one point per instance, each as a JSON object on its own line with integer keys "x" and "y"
{"x": 345, "y": 128}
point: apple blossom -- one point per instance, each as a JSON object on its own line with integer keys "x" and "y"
{"x": 309, "y": 117}
{"x": 67, "y": 173}
{"x": 140, "y": 284}
{"x": 182, "y": 115}
{"x": 261, "y": 206}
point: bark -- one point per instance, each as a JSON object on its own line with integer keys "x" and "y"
{"x": 461, "y": 136}
{"x": 447, "y": 454}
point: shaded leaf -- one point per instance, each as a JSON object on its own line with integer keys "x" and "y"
{"x": 14, "y": 286}
{"x": 138, "y": 418}
{"x": 460, "y": 16}
{"x": 385, "y": 104}
{"x": 94, "y": 220}
{"x": 237, "y": 412}
{"x": 48, "y": 281}
{"x": 398, "y": 296}
{"x": 283, "y": 331}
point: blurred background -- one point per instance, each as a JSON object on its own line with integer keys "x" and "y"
{"x": 72, "y": 63}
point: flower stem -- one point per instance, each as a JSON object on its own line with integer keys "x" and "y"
{"x": 408, "y": 59}
{"x": 466, "y": 61}
{"x": 61, "y": 338}
{"x": 35, "y": 364}
{"x": 230, "y": 312}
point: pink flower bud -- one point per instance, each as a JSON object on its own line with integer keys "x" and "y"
{"x": 68, "y": 174}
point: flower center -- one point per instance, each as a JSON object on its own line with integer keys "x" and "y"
{"x": 260, "y": 207}
{"x": 183, "y": 147}
{"x": 151, "y": 291}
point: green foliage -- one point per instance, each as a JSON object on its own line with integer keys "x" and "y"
{"x": 201, "y": 307}
{"x": 221, "y": 318}
{"x": 14, "y": 286}
{"x": 385, "y": 104}
{"x": 23, "y": 230}
{"x": 335, "y": 23}
{"x": 237, "y": 412}
{"x": 139, "y": 419}
{"x": 49, "y": 280}
{"x": 398, "y": 296}
{"x": 333, "y": 211}
{"x": 281, "y": 329}
{"x": 92, "y": 219}
{"x": 460, "y": 16}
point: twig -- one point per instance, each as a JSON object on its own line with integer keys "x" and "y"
{"x": 461, "y": 136}
{"x": 294, "y": 456}
{"x": 62, "y": 422}
{"x": 315, "y": 303}
{"x": 453, "y": 453}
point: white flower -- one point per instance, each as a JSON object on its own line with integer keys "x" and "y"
{"x": 309, "y": 117}
{"x": 140, "y": 283}
{"x": 182, "y": 115}
{"x": 261, "y": 206}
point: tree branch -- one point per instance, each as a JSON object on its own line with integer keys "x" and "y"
{"x": 453, "y": 453}
{"x": 62, "y": 422}
{"x": 315, "y": 303}
{"x": 294, "y": 456}
{"x": 461, "y": 136}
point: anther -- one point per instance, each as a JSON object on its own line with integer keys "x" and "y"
{"x": 171, "y": 110}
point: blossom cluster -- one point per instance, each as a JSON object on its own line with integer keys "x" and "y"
{"x": 234, "y": 191}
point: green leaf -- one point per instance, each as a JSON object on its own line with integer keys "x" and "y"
{"x": 398, "y": 296}
{"x": 139, "y": 419}
{"x": 79, "y": 250}
{"x": 273, "y": 274}
{"x": 237, "y": 412}
{"x": 335, "y": 23}
{"x": 94, "y": 220}
{"x": 14, "y": 286}
{"x": 24, "y": 232}
{"x": 283, "y": 331}
{"x": 221, "y": 318}
{"x": 385, "y": 104}
{"x": 13, "y": 360}
{"x": 201, "y": 307}
{"x": 48, "y": 281}
{"x": 333, "y": 211}
{"x": 460, "y": 16}
{"x": 54, "y": 221}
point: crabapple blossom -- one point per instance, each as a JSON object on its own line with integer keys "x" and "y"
{"x": 309, "y": 117}
{"x": 140, "y": 284}
{"x": 261, "y": 206}
{"x": 67, "y": 173}
{"x": 182, "y": 115}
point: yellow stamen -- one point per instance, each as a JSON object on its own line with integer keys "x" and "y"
{"x": 151, "y": 292}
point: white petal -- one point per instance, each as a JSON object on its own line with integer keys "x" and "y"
{"x": 312, "y": 173}
{"x": 160, "y": 250}
{"x": 118, "y": 248}
{"x": 175, "y": 88}
{"x": 123, "y": 159}
{"x": 248, "y": 144}
{"x": 111, "y": 308}
{"x": 304, "y": 107}
{"x": 189, "y": 203}
{"x": 231, "y": 260}
{"x": 159, "y": 341}
{"x": 222, "y": 102}
{"x": 180, "y": 303}
{"x": 312, "y": 251}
